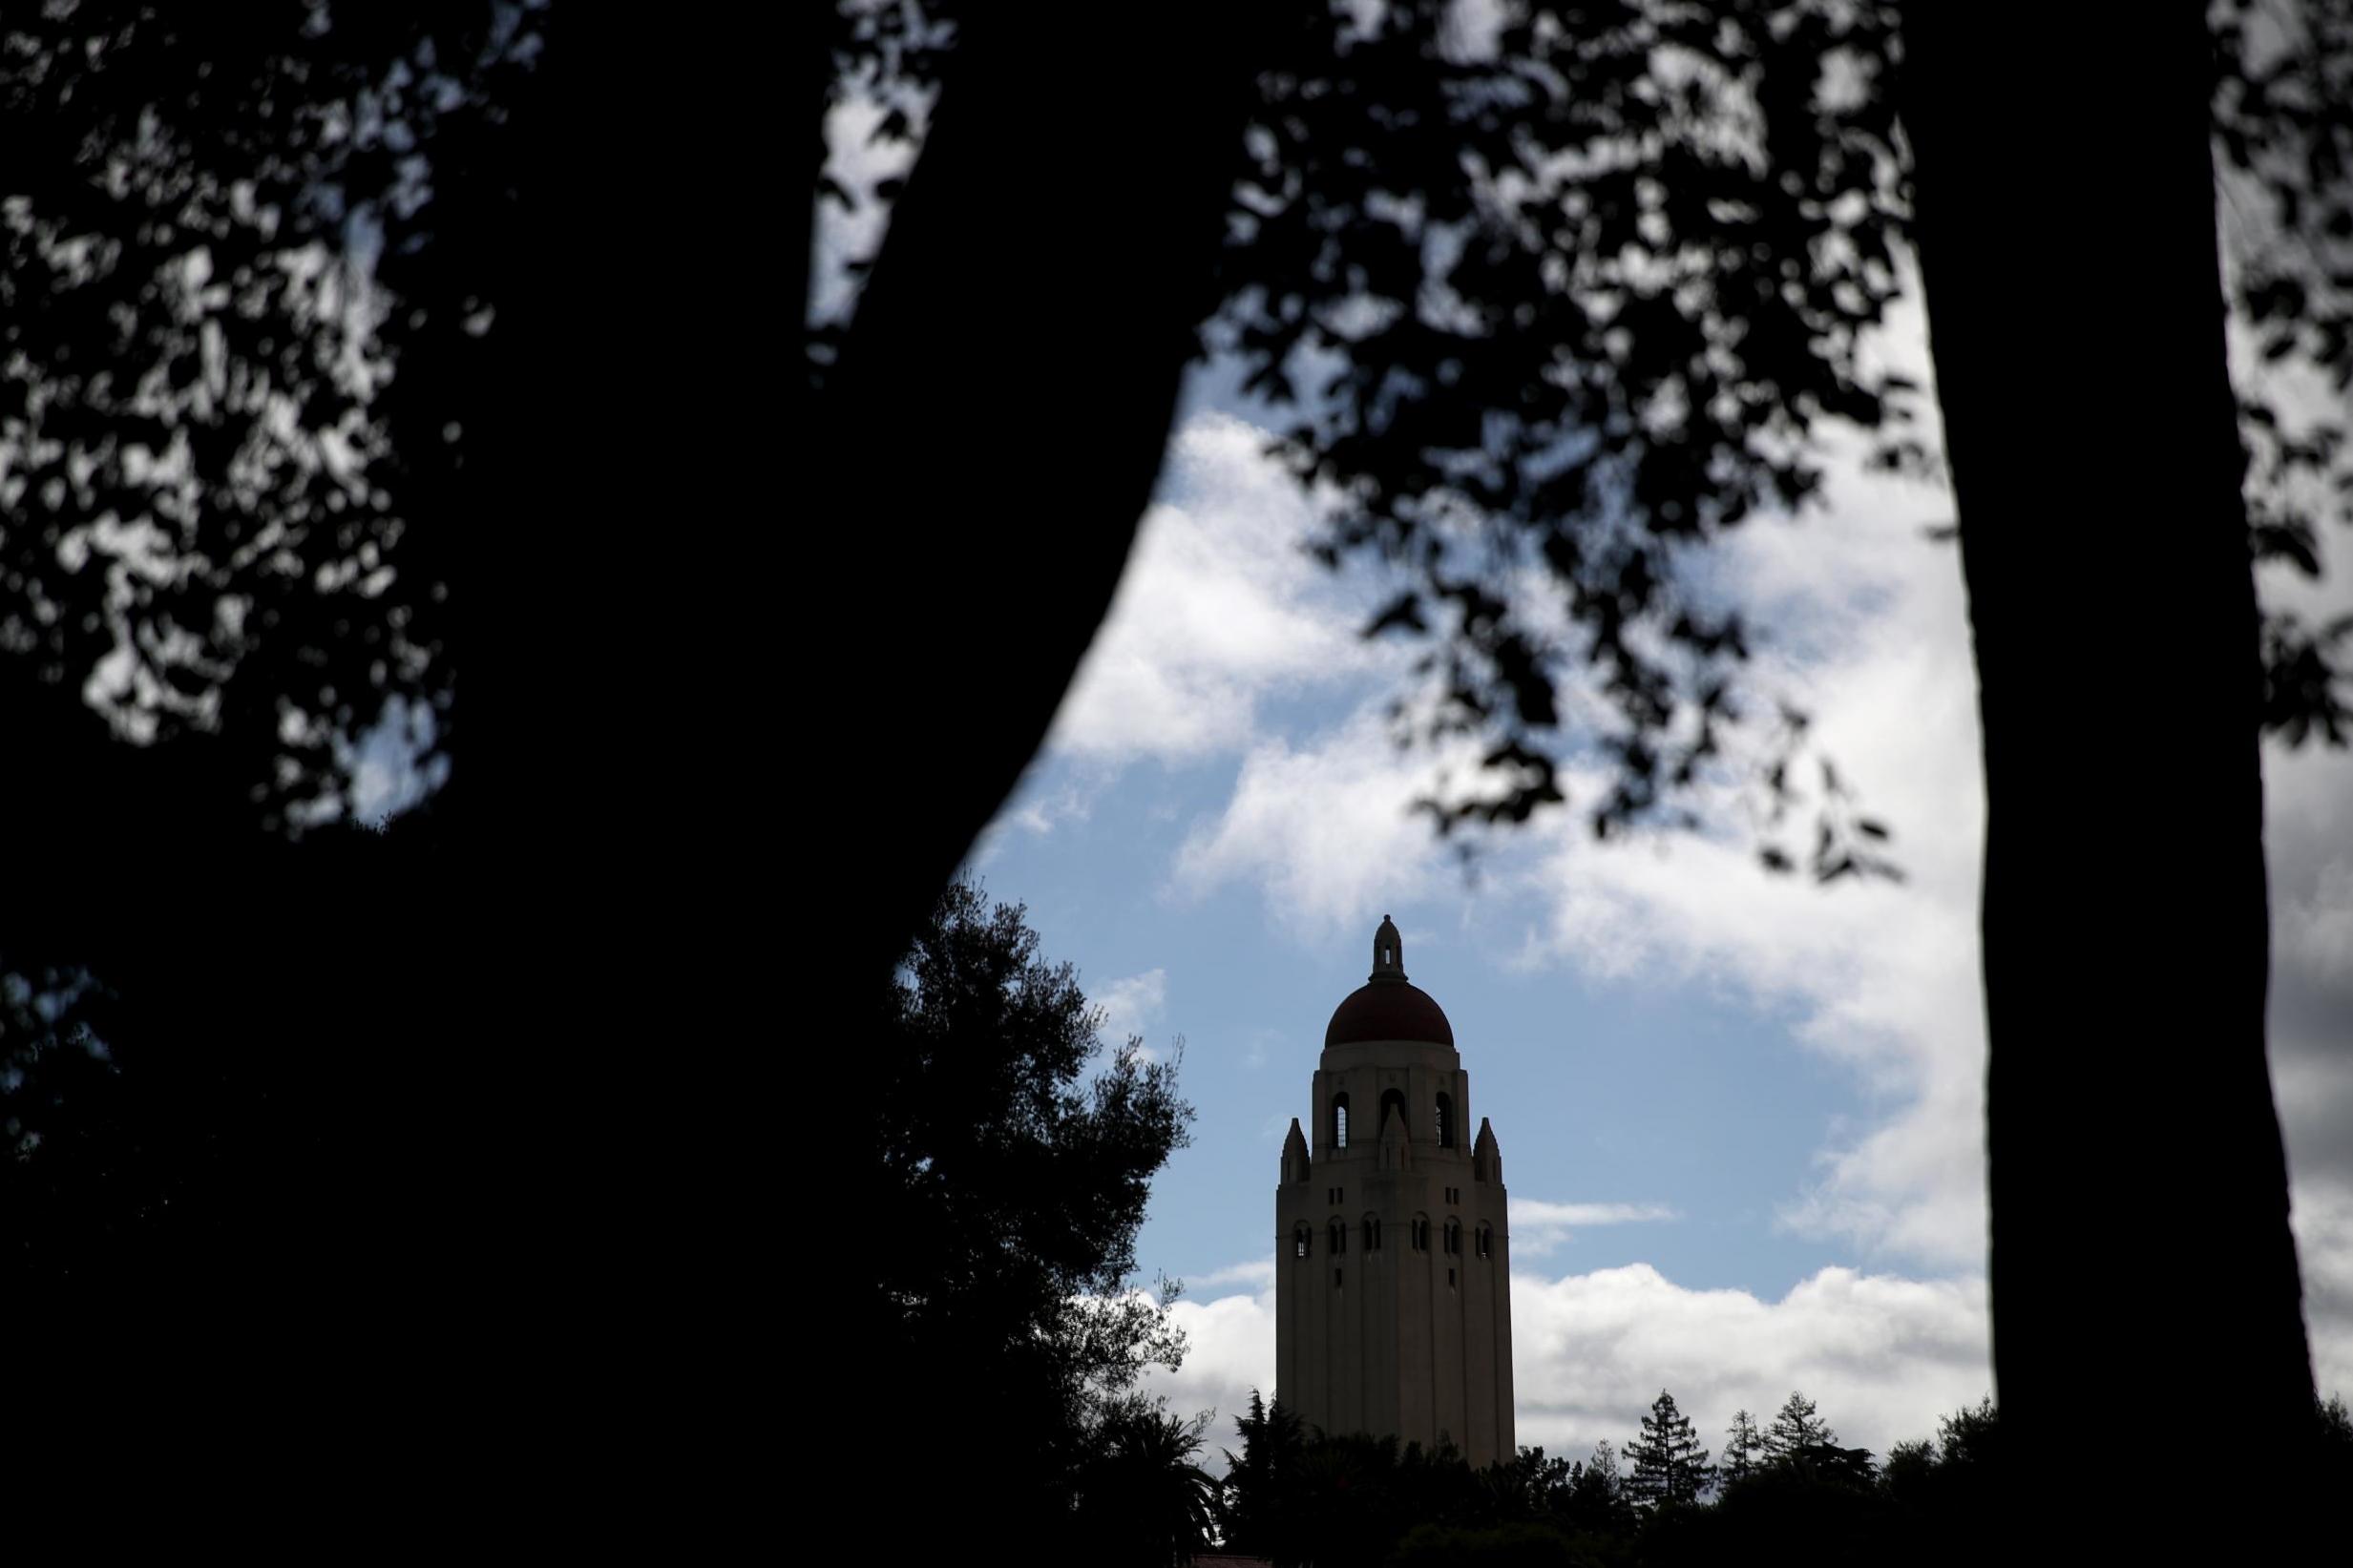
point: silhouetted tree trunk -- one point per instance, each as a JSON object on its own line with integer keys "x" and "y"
{"x": 995, "y": 427}
{"x": 2140, "y": 1243}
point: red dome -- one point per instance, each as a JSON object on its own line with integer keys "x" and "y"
{"x": 1389, "y": 1009}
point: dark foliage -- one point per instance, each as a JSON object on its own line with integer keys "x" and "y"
{"x": 468, "y": 1127}
{"x": 239, "y": 1242}
{"x": 1264, "y": 1480}
{"x": 148, "y": 1153}
{"x": 235, "y": 331}
{"x": 1557, "y": 307}
{"x": 999, "y": 1191}
{"x": 1560, "y": 298}
{"x": 1141, "y": 1494}
{"x": 2283, "y": 139}
{"x": 1308, "y": 1499}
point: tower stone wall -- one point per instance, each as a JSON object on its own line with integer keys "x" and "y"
{"x": 1393, "y": 1266}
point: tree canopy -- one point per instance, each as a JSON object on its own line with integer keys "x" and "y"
{"x": 239, "y": 329}
{"x": 1561, "y": 296}
{"x": 1000, "y": 1187}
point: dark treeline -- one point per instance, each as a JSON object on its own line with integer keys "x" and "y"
{"x": 1784, "y": 1492}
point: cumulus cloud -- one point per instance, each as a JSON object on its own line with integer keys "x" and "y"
{"x": 1882, "y": 978}
{"x": 1538, "y": 1227}
{"x": 1326, "y": 830}
{"x": 1228, "y": 1351}
{"x": 1220, "y": 610}
{"x": 2323, "y": 1224}
{"x": 1883, "y": 1356}
{"x": 1128, "y": 1005}
{"x": 2308, "y": 807}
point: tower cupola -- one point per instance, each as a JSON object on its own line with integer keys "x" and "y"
{"x": 1388, "y": 1006}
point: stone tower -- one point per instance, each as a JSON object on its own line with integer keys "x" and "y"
{"x": 1393, "y": 1292}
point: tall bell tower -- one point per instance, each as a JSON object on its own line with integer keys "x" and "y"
{"x": 1392, "y": 1294}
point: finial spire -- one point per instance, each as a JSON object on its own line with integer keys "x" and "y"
{"x": 1388, "y": 952}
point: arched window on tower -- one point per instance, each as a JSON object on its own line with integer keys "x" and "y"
{"x": 1340, "y": 1121}
{"x": 1486, "y": 1240}
{"x": 1394, "y": 1097}
{"x": 1339, "y": 1236}
{"x": 1422, "y": 1233}
{"x": 1445, "y": 1121}
{"x": 1454, "y": 1236}
{"x": 1302, "y": 1240}
{"x": 1371, "y": 1234}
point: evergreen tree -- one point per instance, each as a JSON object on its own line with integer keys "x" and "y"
{"x": 1795, "y": 1428}
{"x": 1968, "y": 1436}
{"x": 1744, "y": 1448}
{"x": 1596, "y": 1500}
{"x": 1263, "y": 1482}
{"x": 1669, "y": 1466}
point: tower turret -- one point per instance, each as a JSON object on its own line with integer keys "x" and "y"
{"x": 1486, "y": 1155}
{"x": 1294, "y": 1154}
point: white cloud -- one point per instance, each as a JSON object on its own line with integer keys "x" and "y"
{"x": 1885, "y": 1357}
{"x": 1228, "y": 1351}
{"x": 1327, "y": 831}
{"x": 1882, "y": 978}
{"x": 1220, "y": 609}
{"x": 1130, "y": 1004}
{"x": 2307, "y": 799}
{"x": 2324, "y": 1223}
{"x": 1258, "y": 1274}
{"x": 1539, "y": 1227}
